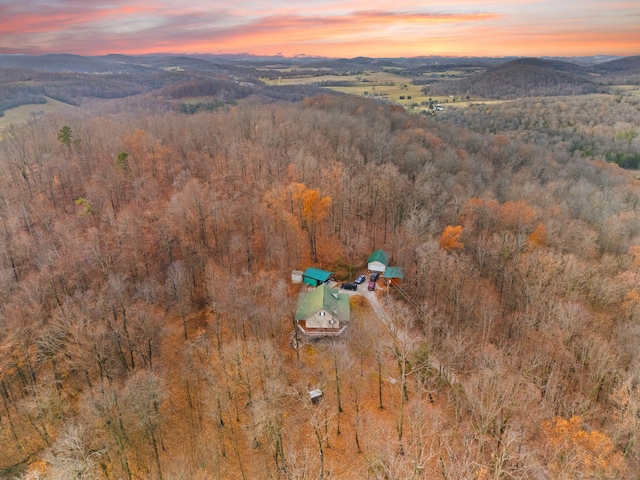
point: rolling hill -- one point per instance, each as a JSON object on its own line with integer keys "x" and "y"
{"x": 525, "y": 77}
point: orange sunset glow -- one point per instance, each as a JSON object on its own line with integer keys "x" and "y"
{"x": 322, "y": 27}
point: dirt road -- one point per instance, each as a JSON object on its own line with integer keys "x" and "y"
{"x": 402, "y": 335}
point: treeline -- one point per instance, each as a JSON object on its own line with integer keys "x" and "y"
{"x": 146, "y": 302}
{"x": 26, "y": 87}
{"x": 221, "y": 88}
{"x": 192, "y": 108}
{"x": 336, "y": 83}
{"x": 22, "y": 98}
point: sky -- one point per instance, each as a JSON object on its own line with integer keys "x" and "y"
{"x": 328, "y": 28}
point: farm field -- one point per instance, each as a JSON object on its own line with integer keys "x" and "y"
{"x": 632, "y": 90}
{"x": 385, "y": 85}
{"x": 366, "y": 78}
{"x": 26, "y": 112}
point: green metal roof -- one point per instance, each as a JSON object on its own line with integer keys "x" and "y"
{"x": 317, "y": 274}
{"x": 393, "y": 272}
{"x": 379, "y": 256}
{"x": 323, "y": 298}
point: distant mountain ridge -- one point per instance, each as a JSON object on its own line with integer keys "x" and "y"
{"x": 121, "y": 63}
{"x": 533, "y": 77}
{"x": 620, "y": 65}
{"x": 113, "y": 63}
{"x": 69, "y": 78}
{"x": 558, "y": 65}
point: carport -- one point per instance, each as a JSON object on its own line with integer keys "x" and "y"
{"x": 316, "y": 276}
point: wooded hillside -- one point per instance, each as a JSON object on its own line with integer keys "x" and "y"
{"x": 602, "y": 127}
{"x": 524, "y": 77}
{"x": 146, "y": 302}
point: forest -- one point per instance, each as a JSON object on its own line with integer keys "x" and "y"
{"x": 601, "y": 126}
{"x": 146, "y": 303}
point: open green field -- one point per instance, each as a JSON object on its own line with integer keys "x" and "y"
{"x": 633, "y": 90}
{"x": 385, "y": 85}
{"x": 366, "y": 78}
{"x": 403, "y": 93}
{"x": 24, "y": 113}
{"x": 289, "y": 69}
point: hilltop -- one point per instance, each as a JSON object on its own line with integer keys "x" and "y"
{"x": 147, "y": 301}
{"x": 149, "y": 239}
{"x": 527, "y": 77}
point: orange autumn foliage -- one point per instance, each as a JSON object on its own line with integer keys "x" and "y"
{"x": 315, "y": 207}
{"x": 576, "y": 452}
{"x": 502, "y": 140}
{"x": 302, "y": 208}
{"x": 538, "y": 237}
{"x": 516, "y": 215}
{"x": 491, "y": 215}
{"x": 631, "y": 300}
{"x": 634, "y": 251}
{"x": 450, "y": 238}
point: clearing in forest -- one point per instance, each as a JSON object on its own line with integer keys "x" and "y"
{"x": 24, "y": 113}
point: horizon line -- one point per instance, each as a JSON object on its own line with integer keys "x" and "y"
{"x": 307, "y": 56}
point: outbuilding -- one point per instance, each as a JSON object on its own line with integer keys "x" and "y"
{"x": 378, "y": 261}
{"x": 393, "y": 275}
{"x": 315, "y": 396}
{"x": 316, "y": 276}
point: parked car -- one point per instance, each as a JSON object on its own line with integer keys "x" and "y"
{"x": 374, "y": 276}
{"x": 360, "y": 279}
{"x": 350, "y": 286}
{"x": 372, "y": 286}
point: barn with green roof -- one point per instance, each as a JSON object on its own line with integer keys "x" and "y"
{"x": 378, "y": 261}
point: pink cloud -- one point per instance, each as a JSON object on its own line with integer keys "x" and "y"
{"x": 397, "y": 28}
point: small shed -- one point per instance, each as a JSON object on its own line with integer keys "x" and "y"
{"x": 378, "y": 261}
{"x": 316, "y": 276}
{"x": 296, "y": 276}
{"x": 393, "y": 275}
{"x": 316, "y": 396}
